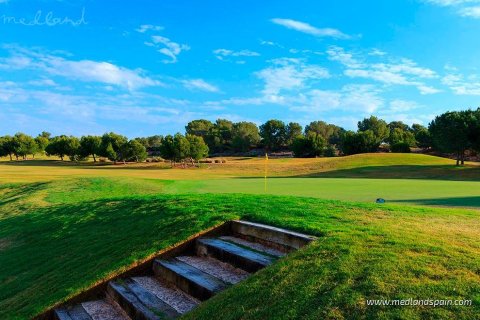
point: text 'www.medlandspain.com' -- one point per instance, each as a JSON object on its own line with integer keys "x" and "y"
{"x": 419, "y": 302}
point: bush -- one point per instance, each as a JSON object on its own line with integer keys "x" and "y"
{"x": 400, "y": 147}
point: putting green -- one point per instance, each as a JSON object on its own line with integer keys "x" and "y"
{"x": 414, "y": 191}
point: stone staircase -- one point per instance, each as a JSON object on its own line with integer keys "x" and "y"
{"x": 177, "y": 280}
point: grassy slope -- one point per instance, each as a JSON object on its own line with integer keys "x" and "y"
{"x": 58, "y": 237}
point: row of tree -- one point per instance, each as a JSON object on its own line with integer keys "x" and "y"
{"x": 452, "y": 132}
{"x": 317, "y": 139}
{"x": 112, "y": 146}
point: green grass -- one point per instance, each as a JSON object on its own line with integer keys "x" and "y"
{"x": 64, "y": 227}
{"x": 419, "y": 192}
{"x": 399, "y": 178}
{"x": 59, "y": 237}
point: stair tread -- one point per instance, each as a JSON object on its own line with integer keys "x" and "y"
{"x": 216, "y": 268}
{"x": 136, "y": 299}
{"x": 259, "y": 258}
{"x": 76, "y": 312}
{"x": 203, "y": 279}
{"x": 254, "y": 245}
{"x": 283, "y": 238}
{"x": 174, "y": 297}
{"x": 102, "y": 310}
{"x": 276, "y": 229}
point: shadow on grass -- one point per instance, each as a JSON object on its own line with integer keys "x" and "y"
{"x": 86, "y": 165}
{"x": 437, "y": 172}
{"x": 19, "y": 191}
{"x": 466, "y": 202}
{"x": 57, "y": 250}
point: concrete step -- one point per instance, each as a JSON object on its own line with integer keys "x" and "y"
{"x": 74, "y": 313}
{"x": 276, "y": 237}
{"x": 191, "y": 280}
{"x": 91, "y": 310}
{"x": 248, "y": 260}
{"x": 173, "y": 296}
{"x": 255, "y": 246}
{"x": 224, "y": 271}
{"x": 139, "y": 303}
{"x": 225, "y": 255}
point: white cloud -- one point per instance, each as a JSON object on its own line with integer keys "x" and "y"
{"x": 462, "y": 85}
{"x": 199, "y": 84}
{"x": 399, "y": 105}
{"x": 447, "y": 3}
{"x": 82, "y": 70}
{"x": 338, "y": 54}
{"x": 309, "y": 29}
{"x": 289, "y": 74}
{"x": 465, "y": 8}
{"x": 148, "y": 27}
{"x": 377, "y": 52}
{"x": 363, "y": 99}
{"x": 424, "y": 89}
{"x": 221, "y": 54}
{"x": 43, "y": 83}
{"x": 33, "y": 110}
{"x": 402, "y": 72}
{"x": 167, "y": 47}
{"x": 472, "y": 12}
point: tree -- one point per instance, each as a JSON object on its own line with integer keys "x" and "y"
{"x": 312, "y": 145}
{"x": 153, "y": 144}
{"x": 400, "y": 147}
{"x": 398, "y": 124}
{"x": 294, "y": 130}
{"x": 7, "y": 146}
{"x": 167, "y": 148}
{"x": 245, "y": 136}
{"x": 73, "y": 149}
{"x": 219, "y": 138}
{"x": 41, "y": 143}
{"x": 199, "y": 127}
{"x": 181, "y": 147}
{"x": 474, "y": 130}
{"x": 398, "y": 135}
{"x": 422, "y": 136}
{"x": 198, "y": 147}
{"x": 116, "y": 142}
{"x": 358, "y": 142}
{"x": 274, "y": 134}
{"x": 452, "y": 131}
{"x": 90, "y": 146}
{"x": 377, "y": 126}
{"x": 23, "y": 145}
{"x": 62, "y": 146}
{"x": 330, "y": 132}
{"x": 109, "y": 152}
{"x": 134, "y": 150}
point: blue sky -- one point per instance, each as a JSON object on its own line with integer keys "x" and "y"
{"x": 149, "y": 67}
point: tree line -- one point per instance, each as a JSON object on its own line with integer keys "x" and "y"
{"x": 452, "y": 132}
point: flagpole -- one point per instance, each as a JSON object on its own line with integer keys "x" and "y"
{"x": 266, "y": 168}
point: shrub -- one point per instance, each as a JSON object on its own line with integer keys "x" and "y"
{"x": 400, "y": 147}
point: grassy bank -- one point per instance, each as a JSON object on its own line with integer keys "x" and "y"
{"x": 61, "y": 236}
